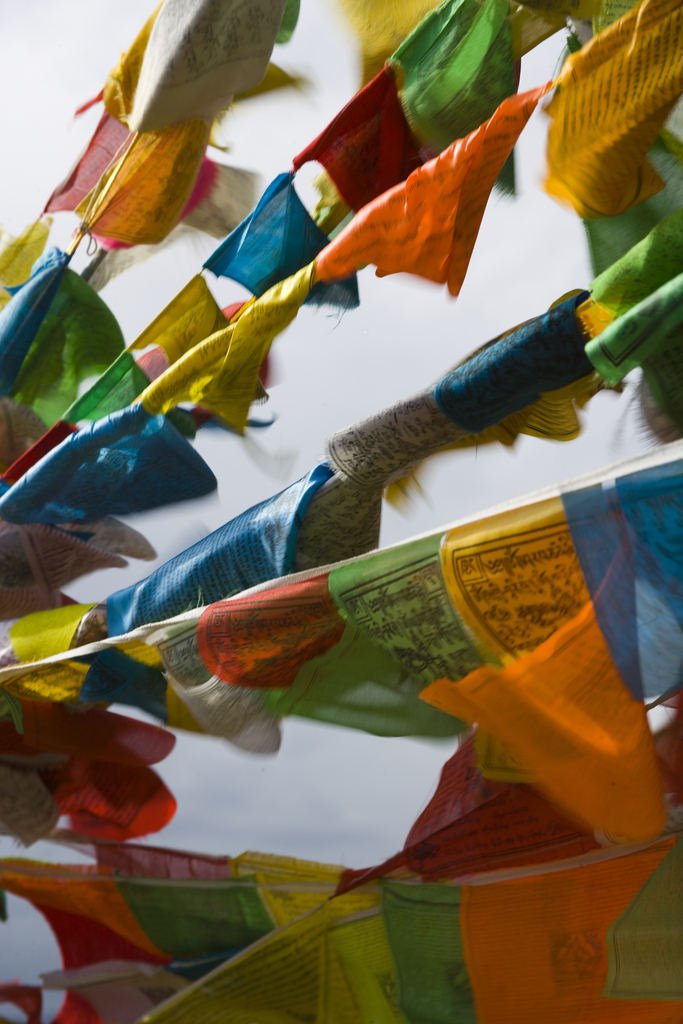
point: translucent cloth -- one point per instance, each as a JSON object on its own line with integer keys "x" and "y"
{"x": 189, "y": 318}
{"x": 566, "y": 712}
{"x": 115, "y": 466}
{"x": 222, "y": 372}
{"x": 17, "y": 255}
{"x": 457, "y": 67}
{"x": 143, "y": 194}
{"x": 78, "y": 338}
{"x": 21, "y": 318}
{"x": 380, "y": 27}
{"x": 258, "y": 545}
{"x": 428, "y": 225}
{"x": 356, "y": 685}
{"x": 275, "y": 241}
{"x": 627, "y": 537}
{"x": 367, "y": 148}
{"x": 545, "y": 354}
{"x": 120, "y": 384}
{"x": 103, "y": 147}
{"x": 472, "y": 825}
{"x": 609, "y": 110}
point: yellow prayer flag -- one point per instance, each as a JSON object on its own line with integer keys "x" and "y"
{"x": 17, "y": 255}
{"x": 189, "y": 318}
{"x": 41, "y": 634}
{"x": 221, "y": 373}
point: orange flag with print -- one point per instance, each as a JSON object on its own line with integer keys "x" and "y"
{"x": 565, "y": 711}
{"x": 428, "y": 224}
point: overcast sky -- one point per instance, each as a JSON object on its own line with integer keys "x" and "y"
{"x": 332, "y": 795}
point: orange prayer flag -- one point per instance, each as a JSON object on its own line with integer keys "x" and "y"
{"x": 536, "y": 948}
{"x": 428, "y": 224}
{"x": 566, "y": 712}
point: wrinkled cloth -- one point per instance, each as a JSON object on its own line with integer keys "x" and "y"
{"x": 613, "y": 98}
{"x": 567, "y": 713}
{"x": 108, "y": 138}
{"x": 545, "y": 354}
{"x": 198, "y": 55}
{"x": 367, "y": 148}
{"x": 116, "y": 466}
{"x": 429, "y": 225}
{"x": 21, "y": 318}
{"x": 457, "y": 68}
{"x": 222, "y": 372}
{"x": 17, "y": 255}
{"x": 258, "y": 545}
{"x": 275, "y": 241}
{"x": 143, "y": 194}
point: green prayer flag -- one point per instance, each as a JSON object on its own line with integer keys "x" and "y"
{"x": 118, "y": 387}
{"x": 357, "y": 686}
{"x": 187, "y": 919}
{"x": 423, "y": 929}
{"x": 639, "y": 334}
{"x": 457, "y": 67}
{"x": 78, "y": 338}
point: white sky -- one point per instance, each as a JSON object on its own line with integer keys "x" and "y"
{"x": 331, "y": 795}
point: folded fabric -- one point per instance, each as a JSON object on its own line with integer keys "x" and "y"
{"x": 644, "y": 268}
{"x": 78, "y": 338}
{"x": 627, "y": 537}
{"x": 640, "y": 333}
{"x": 457, "y": 67}
{"x": 141, "y": 197}
{"x": 508, "y": 374}
{"x": 367, "y": 148}
{"x": 607, "y": 112}
{"x": 198, "y": 56}
{"x": 17, "y": 255}
{"x": 93, "y": 733}
{"x": 610, "y": 238}
{"x": 275, "y": 241}
{"x": 234, "y": 713}
{"x": 222, "y": 372}
{"x": 43, "y": 633}
{"x": 118, "y": 465}
{"x": 258, "y": 545}
{"x": 27, "y": 810}
{"x": 21, "y": 318}
{"x": 57, "y": 433}
{"x": 357, "y": 685}
{"x": 20, "y": 428}
{"x": 110, "y": 800}
{"x": 428, "y": 225}
{"x": 118, "y": 678}
{"x": 570, "y": 718}
{"x": 103, "y": 148}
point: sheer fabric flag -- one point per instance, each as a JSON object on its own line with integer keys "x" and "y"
{"x": 565, "y": 710}
{"x": 367, "y": 148}
{"x": 110, "y": 135}
{"x": 428, "y": 226}
{"x": 143, "y": 195}
{"x": 275, "y": 241}
{"x": 380, "y": 28}
{"x": 17, "y": 255}
{"x": 256, "y": 546}
{"x": 198, "y": 56}
{"x": 115, "y": 466}
{"x": 615, "y": 95}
